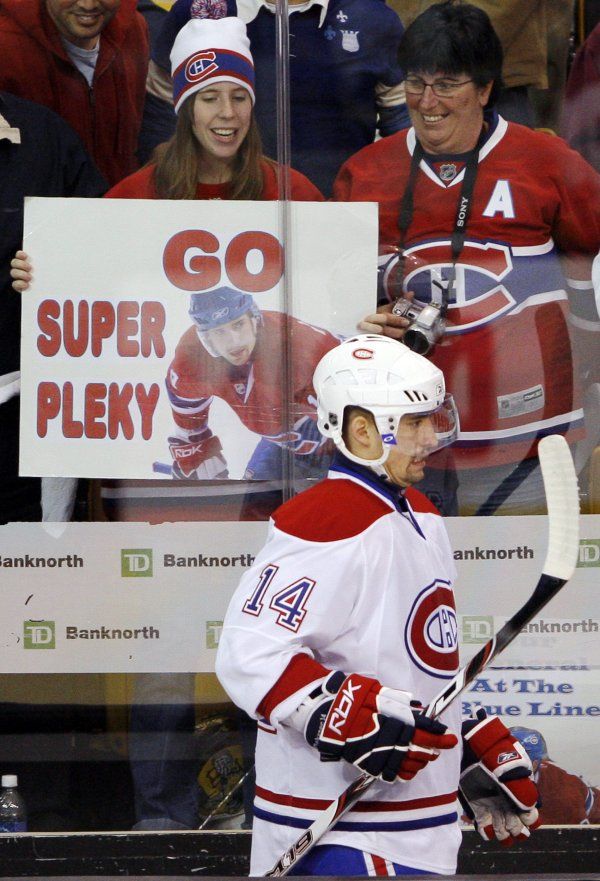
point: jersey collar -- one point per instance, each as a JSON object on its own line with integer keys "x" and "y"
{"x": 393, "y": 495}
{"x": 496, "y": 129}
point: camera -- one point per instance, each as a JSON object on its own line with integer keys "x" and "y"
{"x": 427, "y": 324}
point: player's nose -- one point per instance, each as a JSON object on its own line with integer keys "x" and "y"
{"x": 427, "y": 435}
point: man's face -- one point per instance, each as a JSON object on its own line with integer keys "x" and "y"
{"x": 416, "y": 439}
{"x": 81, "y": 21}
{"x": 235, "y": 340}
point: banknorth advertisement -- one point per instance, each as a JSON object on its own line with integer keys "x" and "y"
{"x": 118, "y": 598}
{"x": 179, "y": 338}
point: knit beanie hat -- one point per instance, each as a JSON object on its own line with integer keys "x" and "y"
{"x": 208, "y": 51}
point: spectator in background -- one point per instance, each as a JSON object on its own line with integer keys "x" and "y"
{"x": 154, "y": 12}
{"x": 345, "y": 83}
{"x": 548, "y": 103}
{"x": 581, "y": 120}
{"x": 497, "y": 225}
{"x": 564, "y": 797}
{"x": 521, "y": 26}
{"x": 40, "y": 155}
{"x": 87, "y": 61}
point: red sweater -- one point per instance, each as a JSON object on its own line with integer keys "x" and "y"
{"x": 107, "y": 117}
{"x": 140, "y": 185}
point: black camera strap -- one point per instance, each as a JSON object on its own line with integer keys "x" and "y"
{"x": 463, "y": 211}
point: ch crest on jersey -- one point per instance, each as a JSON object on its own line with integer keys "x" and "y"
{"x": 431, "y": 632}
{"x": 478, "y": 294}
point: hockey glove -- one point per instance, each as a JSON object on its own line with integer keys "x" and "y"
{"x": 199, "y": 458}
{"x": 496, "y": 781}
{"x": 357, "y": 719}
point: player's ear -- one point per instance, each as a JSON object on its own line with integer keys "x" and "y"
{"x": 363, "y": 438}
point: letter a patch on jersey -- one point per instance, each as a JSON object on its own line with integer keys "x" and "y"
{"x": 501, "y": 201}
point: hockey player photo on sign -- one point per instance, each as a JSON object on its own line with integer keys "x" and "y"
{"x": 565, "y": 797}
{"x": 345, "y": 627}
{"x": 235, "y": 352}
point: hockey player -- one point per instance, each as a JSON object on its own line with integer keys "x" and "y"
{"x": 474, "y": 214}
{"x": 345, "y": 622}
{"x": 234, "y": 352}
{"x": 565, "y": 797}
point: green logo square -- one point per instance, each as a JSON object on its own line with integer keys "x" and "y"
{"x": 477, "y": 628}
{"x": 39, "y": 634}
{"x": 589, "y": 553}
{"x": 136, "y": 563}
{"x": 213, "y": 632}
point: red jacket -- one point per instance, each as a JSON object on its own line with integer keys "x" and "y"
{"x": 107, "y": 117}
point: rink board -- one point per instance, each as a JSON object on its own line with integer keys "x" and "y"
{"x": 97, "y": 598}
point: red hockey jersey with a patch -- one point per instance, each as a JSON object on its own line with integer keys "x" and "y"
{"x": 255, "y": 391}
{"x": 507, "y": 354}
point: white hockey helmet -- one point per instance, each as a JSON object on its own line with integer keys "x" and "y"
{"x": 388, "y": 380}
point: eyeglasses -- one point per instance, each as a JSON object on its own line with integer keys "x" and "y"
{"x": 414, "y": 85}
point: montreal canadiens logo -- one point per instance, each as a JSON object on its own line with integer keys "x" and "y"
{"x": 431, "y": 632}
{"x": 200, "y": 65}
{"x": 220, "y": 313}
{"x": 362, "y": 354}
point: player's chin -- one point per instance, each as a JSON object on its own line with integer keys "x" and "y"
{"x": 417, "y": 469}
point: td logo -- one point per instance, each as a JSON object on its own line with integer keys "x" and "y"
{"x": 39, "y": 635}
{"x": 477, "y": 628}
{"x": 213, "y": 632}
{"x": 589, "y": 553}
{"x": 136, "y": 563}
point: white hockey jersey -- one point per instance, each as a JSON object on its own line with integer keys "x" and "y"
{"x": 360, "y": 581}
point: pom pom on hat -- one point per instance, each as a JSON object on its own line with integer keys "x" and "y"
{"x": 208, "y": 51}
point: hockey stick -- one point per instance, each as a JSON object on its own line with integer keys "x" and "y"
{"x": 562, "y": 501}
{"x": 225, "y": 799}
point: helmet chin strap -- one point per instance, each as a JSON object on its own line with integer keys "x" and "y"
{"x": 375, "y": 465}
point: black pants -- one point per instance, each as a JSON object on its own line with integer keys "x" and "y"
{"x": 20, "y": 497}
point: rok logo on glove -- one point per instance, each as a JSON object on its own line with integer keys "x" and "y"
{"x": 507, "y": 757}
{"x": 339, "y": 716}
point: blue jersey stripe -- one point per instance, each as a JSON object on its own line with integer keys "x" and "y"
{"x": 373, "y": 826}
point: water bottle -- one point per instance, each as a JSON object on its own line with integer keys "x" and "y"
{"x": 13, "y": 814}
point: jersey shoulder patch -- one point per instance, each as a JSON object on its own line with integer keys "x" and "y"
{"x": 331, "y": 511}
{"x": 419, "y": 502}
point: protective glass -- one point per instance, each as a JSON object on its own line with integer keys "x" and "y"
{"x": 423, "y": 434}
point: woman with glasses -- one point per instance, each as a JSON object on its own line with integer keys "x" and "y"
{"x": 495, "y": 226}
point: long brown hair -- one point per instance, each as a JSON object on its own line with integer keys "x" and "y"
{"x": 178, "y": 162}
